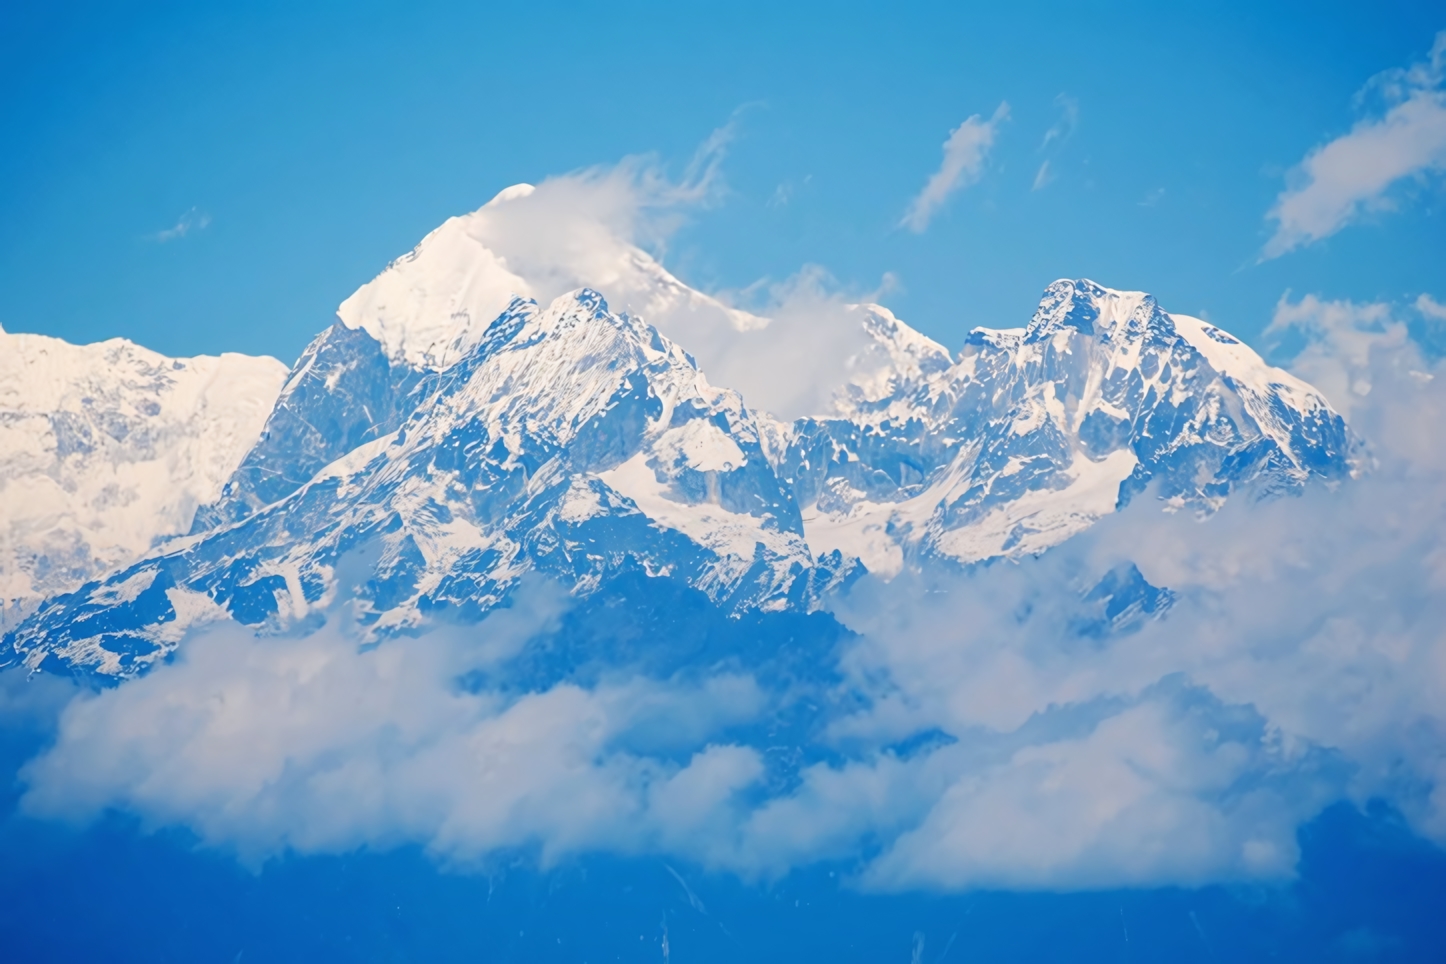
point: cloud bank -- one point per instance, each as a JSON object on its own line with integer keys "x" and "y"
{"x": 965, "y": 153}
{"x": 1340, "y": 181}
{"x": 312, "y": 745}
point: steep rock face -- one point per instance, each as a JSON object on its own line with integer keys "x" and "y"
{"x": 343, "y": 392}
{"x": 1034, "y": 433}
{"x": 570, "y": 440}
{"x": 106, "y": 449}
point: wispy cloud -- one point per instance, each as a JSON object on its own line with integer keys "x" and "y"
{"x": 1352, "y": 174}
{"x": 784, "y": 192}
{"x": 1062, "y": 129}
{"x": 1059, "y": 132}
{"x": 1042, "y": 177}
{"x": 189, "y": 223}
{"x": 965, "y": 152}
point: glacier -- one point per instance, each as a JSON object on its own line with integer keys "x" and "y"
{"x": 463, "y": 423}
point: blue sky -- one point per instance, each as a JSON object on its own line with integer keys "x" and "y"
{"x": 202, "y": 179}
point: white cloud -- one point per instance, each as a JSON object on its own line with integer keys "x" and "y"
{"x": 1153, "y": 793}
{"x": 1430, "y": 307}
{"x": 807, "y": 351}
{"x": 1342, "y": 343}
{"x": 1340, "y": 180}
{"x": 1341, "y": 338}
{"x": 188, "y": 223}
{"x": 965, "y": 152}
{"x": 263, "y": 746}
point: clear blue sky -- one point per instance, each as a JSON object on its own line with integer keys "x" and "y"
{"x": 312, "y": 143}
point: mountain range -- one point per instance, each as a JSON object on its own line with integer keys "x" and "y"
{"x": 478, "y": 412}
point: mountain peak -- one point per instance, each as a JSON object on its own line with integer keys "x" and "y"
{"x": 511, "y": 194}
{"x": 429, "y": 307}
{"x": 1086, "y": 307}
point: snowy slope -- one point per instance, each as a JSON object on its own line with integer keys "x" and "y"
{"x": 431, "y": 306}
{"x": 571, "y": 440}
{"x": 107, "y": 448}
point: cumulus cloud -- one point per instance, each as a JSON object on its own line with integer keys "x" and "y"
{"x": 965, "y": 153}
{"x": 1157, "y": 792}
{"x": 192, "y": 221}
{"x": 1344, "y": 178}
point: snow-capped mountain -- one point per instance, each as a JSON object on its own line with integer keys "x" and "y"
{"x": 106, "y": 449}
{"x": 431, "y": 306}
{"x": 570, "y": 440}
{"x": 421, "y": 457}
{"x": 1034, "y": 433}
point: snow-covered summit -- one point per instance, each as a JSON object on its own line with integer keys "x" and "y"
{"x": 107, "y": 448}
{"x": 430, "y": 306}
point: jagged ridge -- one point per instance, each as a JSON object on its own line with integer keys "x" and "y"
{"x": 571, "y": 440}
